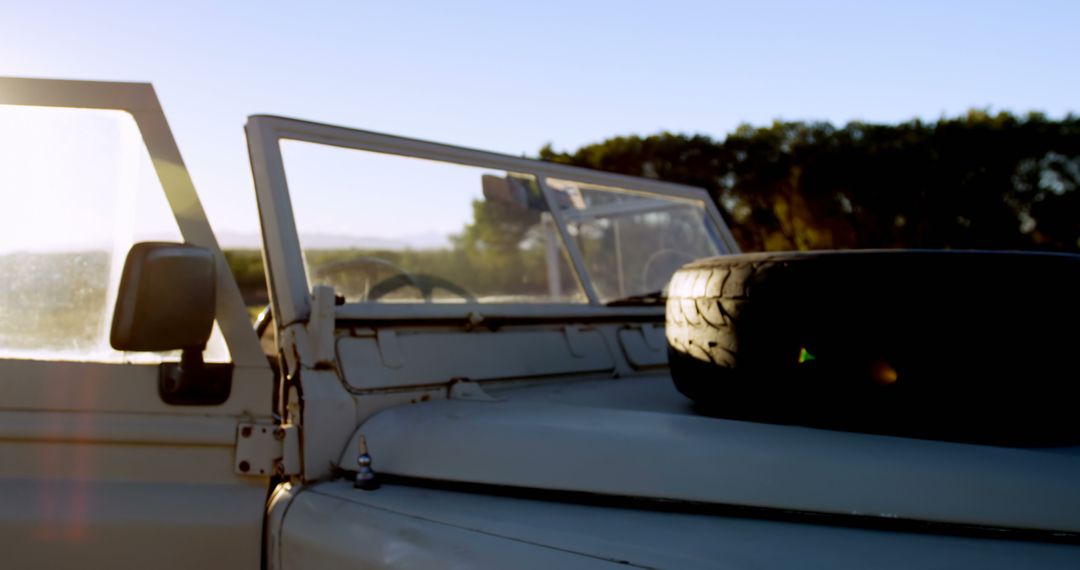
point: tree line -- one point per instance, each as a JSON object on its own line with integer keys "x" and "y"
{"x": 979, "y": 181}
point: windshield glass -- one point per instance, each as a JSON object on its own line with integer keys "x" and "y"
{"x": 631, "y": 242}
{"x": 385, "y": 228}
{"x": 80, "y": 189}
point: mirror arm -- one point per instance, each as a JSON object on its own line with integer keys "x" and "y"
{"x": 194, "y": 382}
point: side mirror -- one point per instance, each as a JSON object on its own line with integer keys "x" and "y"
{"x": 166, "y": 298}
{"x": 505, "y": 190}
{"x": 167, "y": 302}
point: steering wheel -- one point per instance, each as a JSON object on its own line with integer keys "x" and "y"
{"x": 266, "y": 316}
{"x": 370, "y": 266}
{"x": 426, "y": 283}
{"x": 423, "y": 282}
{"x": 660, "y": 266}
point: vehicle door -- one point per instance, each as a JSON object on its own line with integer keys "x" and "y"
{"x": 96, "y": 468}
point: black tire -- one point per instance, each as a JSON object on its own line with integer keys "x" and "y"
{"x": 969, "y": 346}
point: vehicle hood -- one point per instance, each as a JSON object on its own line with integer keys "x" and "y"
{"x": 639, "y": 438}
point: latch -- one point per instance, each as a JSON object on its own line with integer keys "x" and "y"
{"x": 267, "y": 449}
{"x": 643, "y": 345}
{"x": 389, "y": 350}
{"x": 575, "y": 340}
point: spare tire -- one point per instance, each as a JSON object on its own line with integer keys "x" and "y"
{"x": 954, "y": 345}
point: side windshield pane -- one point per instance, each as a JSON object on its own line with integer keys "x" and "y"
{"x": 384, "y": 228}
{"x": 78, "y": 189}
{"x": 631, "y": 241}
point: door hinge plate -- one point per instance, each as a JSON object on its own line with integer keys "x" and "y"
{"x": 266, "y": 449}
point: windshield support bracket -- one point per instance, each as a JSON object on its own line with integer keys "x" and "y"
{"x": 320, "y": 326}
{"x": 576, "y": 258}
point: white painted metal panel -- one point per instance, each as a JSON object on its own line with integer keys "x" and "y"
{"x": 638, "y": 437}
{"x": 124, "y": 388}
{"x": 438, "y": 357}
{"x": 548, "y": 312}
{"x": 123, "y": 524}
{"x": 333, "y": 525}
{"x": 326, "y": 533}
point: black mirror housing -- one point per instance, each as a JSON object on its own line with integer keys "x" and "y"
{"x": 504, "y": 190}
{"x": 166, "y": 299}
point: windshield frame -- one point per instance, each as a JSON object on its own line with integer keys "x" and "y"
{"x": 290, "y": 291}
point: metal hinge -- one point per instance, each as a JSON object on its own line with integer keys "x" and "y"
{"x": 267, "y": 449}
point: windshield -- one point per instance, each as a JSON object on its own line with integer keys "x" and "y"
{"x": 384, "y": 228}
{"x": 384, "y": 219}
{"x": 632, "y": 242}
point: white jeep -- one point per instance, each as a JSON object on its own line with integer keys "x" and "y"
{"x": 486, "y": 387}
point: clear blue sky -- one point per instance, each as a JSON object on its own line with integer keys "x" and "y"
{"x": 510, "y": 76}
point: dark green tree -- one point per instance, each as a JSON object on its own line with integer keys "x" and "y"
{"x": 983, "y": 180}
